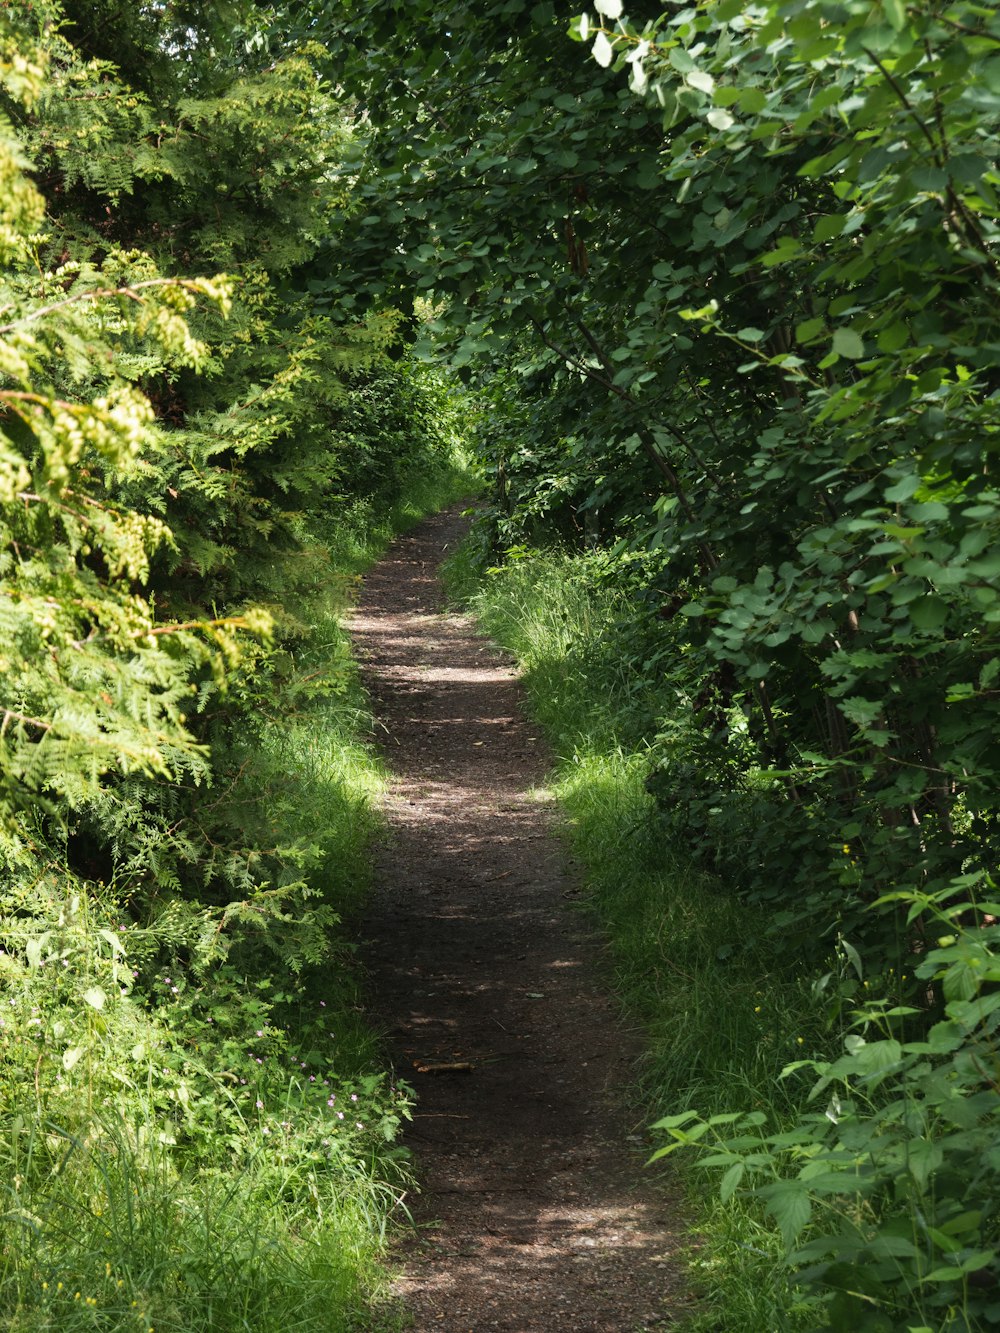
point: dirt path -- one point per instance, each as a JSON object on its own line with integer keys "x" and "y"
{"x": 533, "y": 1214}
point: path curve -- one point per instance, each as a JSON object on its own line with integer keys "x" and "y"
{"x": 533, "y": 1214}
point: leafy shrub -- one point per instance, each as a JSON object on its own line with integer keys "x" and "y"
{"x": 886, "y": 1194}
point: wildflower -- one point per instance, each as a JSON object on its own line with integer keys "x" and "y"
{"x": 756, "y": 1008}
{"x": 340, "y": 1115}
{"x": 259, "y": 1103}
{"x": 260, "y": 1032}
{"x": 354, "y": 1096}
{"x": 322, "y": 1004}
{"x": 800, "y": 1040}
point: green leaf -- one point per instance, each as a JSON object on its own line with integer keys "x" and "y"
{"x": 809, "y": 328}
{"x": 752, "y": 100}
{"x": 929, "y": 614}
{"x": 828, "y": 227}
{"x": 730, "y": 1181}
{"x": 894, "y": 337}
{"x": 95, "y": 997}
{"x": 789, "y": 1204}
{"x": 848, "y": 343}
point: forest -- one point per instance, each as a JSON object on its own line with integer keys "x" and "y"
{"x": 702, "y": 301}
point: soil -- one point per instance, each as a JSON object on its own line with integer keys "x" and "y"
{"x": 534, "y": 1212}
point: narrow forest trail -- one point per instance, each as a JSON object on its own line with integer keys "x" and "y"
{"x": 534, "y": 1214}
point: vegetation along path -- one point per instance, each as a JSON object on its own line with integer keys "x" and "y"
{"x": 533, "y": 1214}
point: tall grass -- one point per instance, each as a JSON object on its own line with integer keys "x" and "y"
{"x": 721, "y": 1017}
{"x": 196, "y": 1124}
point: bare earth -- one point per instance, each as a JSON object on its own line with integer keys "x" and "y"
{"x": 534, "y": 1214}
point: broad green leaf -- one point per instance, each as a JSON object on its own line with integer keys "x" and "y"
{"x": 929, "y": 614}
{"x": 730, "y": 1181}
{"x": 848, "y": 343}
{"x": 789, "y": 1204}
{"x": 828, "y": 227}
{"x": 894, "y": 337}
{"x": 809, "y": 328}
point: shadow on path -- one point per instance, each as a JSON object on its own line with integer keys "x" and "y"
{"x": 533, "y": 1214}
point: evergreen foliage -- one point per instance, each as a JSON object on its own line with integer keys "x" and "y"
{"x": 192, "y": 450}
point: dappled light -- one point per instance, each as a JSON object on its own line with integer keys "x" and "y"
{"x": 485, "y": 975}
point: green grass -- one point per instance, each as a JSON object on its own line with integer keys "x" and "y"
{"x": 359, "y": 532}
{"x": 205, "y": 1144}
{"x": 721, "y": 1017}
{"x": 120, "y": 1240}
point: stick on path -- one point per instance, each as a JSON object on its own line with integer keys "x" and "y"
{"x": 533, "y": 1213}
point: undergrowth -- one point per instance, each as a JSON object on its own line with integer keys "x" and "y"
{"x": 197, "y": 1129}
{"x": 839, "y": 1102}
{"x": 722, "y": 1016}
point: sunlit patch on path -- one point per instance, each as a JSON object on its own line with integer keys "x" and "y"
{"x": 534, "y": 1213}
